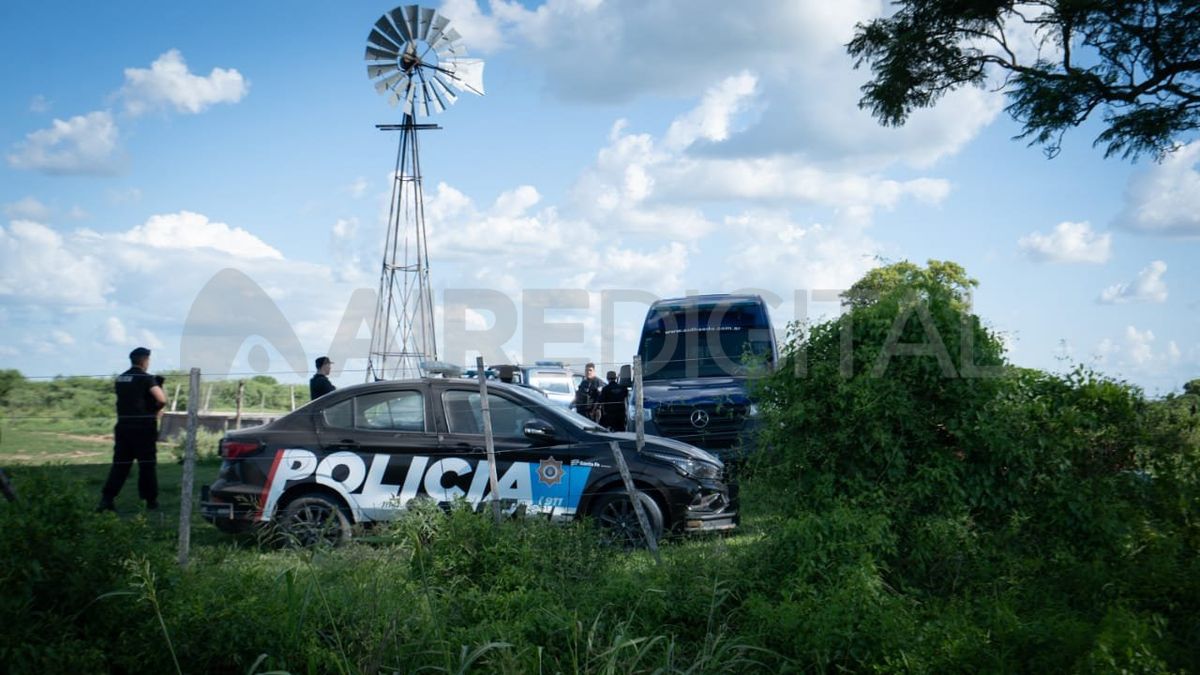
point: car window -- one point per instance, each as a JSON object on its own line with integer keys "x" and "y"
{"x": 464, "y": 415}
{"x": 392, "y": 411}
{"x": 340, "y": 416}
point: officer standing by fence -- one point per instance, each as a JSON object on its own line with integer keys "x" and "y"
{"x": 140, "y": 400}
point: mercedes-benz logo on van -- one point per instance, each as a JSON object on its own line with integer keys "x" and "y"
{"x": 699, "y": 419}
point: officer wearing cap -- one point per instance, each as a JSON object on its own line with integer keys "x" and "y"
{"x": 320, "y": 385}
{"x": 140, "y": 399}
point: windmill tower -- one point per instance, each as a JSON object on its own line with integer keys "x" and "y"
{"x": 416, "y": 60}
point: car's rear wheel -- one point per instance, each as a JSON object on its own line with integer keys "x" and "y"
{"x": 312, "y": 519}
{"x": 615, "y": 515}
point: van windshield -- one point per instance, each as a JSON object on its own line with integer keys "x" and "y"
{"x": 697, "y": 342}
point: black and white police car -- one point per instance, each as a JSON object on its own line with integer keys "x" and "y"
{"x": 361, "y": 454}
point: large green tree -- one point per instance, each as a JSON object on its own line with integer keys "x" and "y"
{"x": 1134, "y": 62}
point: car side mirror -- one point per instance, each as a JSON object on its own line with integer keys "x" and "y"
{"x": 540, "y": 430}
{"x": 625, "y": 378}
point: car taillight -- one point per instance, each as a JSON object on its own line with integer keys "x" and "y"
{"x": 235, "y": 449}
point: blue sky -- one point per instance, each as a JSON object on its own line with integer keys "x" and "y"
{"x": 663, "y": 146}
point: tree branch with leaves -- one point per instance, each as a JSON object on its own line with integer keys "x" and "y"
{"x": 1134, "y": 62}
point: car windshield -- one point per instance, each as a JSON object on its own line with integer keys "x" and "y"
{"x": 556, "y": 383}
{"x": 550, "y": 411}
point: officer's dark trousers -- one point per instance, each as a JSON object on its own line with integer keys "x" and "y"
{"x": 134, "y": 446}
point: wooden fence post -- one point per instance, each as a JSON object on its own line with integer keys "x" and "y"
{"x": 237, "y": 418}
{"x": 189, "y": 469}
{"x": 493, "y": 481}
{"x": 635, "y": 499}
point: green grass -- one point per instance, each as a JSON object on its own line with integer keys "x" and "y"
{"x": 90, "y": 477}
{"x": 20, "y": 445}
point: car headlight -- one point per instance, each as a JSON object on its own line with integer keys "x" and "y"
{"x": 690, "y": 467}
{"x": 753, "y": 411}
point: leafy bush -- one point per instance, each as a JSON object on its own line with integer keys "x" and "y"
{"x": 208, "y": 444}
{"x": 965, "y": 477}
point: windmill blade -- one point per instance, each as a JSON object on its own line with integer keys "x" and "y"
{"x": 376, "y": 54}
{"x": 390, "y": 82}
{"x": 423, "y": 94}
{"x": 396, "y": 61}
{"x": 447, "y": 51}
{"x": 435, "y": 30}
{"x": 381, "y": 40}
{"x": 377, "y": 70}
{"x": 467, "y": 75}
{"x": 431, "y": 95}
{"x": 443, "y": 90}
{"x": 400, "y": 94}
{"x": 401, "y": 22}
{"x": 411, "y": 17}
{"x": 425, "y": 21}
{"x": 385, "y": 26}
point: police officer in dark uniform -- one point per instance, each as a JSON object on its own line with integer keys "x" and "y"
{"x": 612, "y": 404}
{"x": 320, "y": 385}
{"x": 587, "y": 394}
{"x": 139, "y": 399}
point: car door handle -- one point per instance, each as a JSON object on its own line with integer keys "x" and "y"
{"x": 468, "y": 446}
{"x": 348, "y": 443}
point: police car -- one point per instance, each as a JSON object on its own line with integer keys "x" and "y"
{"x": 362, "y": 454}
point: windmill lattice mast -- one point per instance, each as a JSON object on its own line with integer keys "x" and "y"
{"x": 418, "y": 62}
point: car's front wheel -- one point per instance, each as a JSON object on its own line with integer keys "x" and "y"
{"x": 615, "y": 514}
{"x": 315, "y": 518}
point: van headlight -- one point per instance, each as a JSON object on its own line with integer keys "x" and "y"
{"x": 690, "y": 467}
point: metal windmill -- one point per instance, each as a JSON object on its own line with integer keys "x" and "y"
{"x": 418, "y": 63}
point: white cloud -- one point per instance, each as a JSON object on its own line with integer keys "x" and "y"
{"x": 1148, "y": 287}
{"x": 126, "y": 196}
{"x": 1137, "y": 351}
{"x": 1139, "y": 344}
{"x": 188, "y": 230}
{"x": 1165, "y": 199}
{"x": 37, "y": 265}
{"x": 806, "y": 94}
{"x": 116, "y": 334}
{"x": 776, "y": 253}
{"x": 480, "y": 33}
{"x": 62, "y": 337}
{"x": 508, "y": 230}
{"x": 84, "y": 144}
{"x": 39, "y": 104}
{"x": 1068, "y": 243}
{"x": 169, "y": 83}
{"x": 639, "y": 184}
{"x": 114, "y": 331}
{"x": 358, "y": 187}
{"x": 27, "y": 208}
{"x": 710, "y": 121}
{"x": 345, "y": 251}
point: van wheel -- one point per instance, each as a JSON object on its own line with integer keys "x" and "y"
{"x": 313, "y": 519}
{"x": 615, "y": 515}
